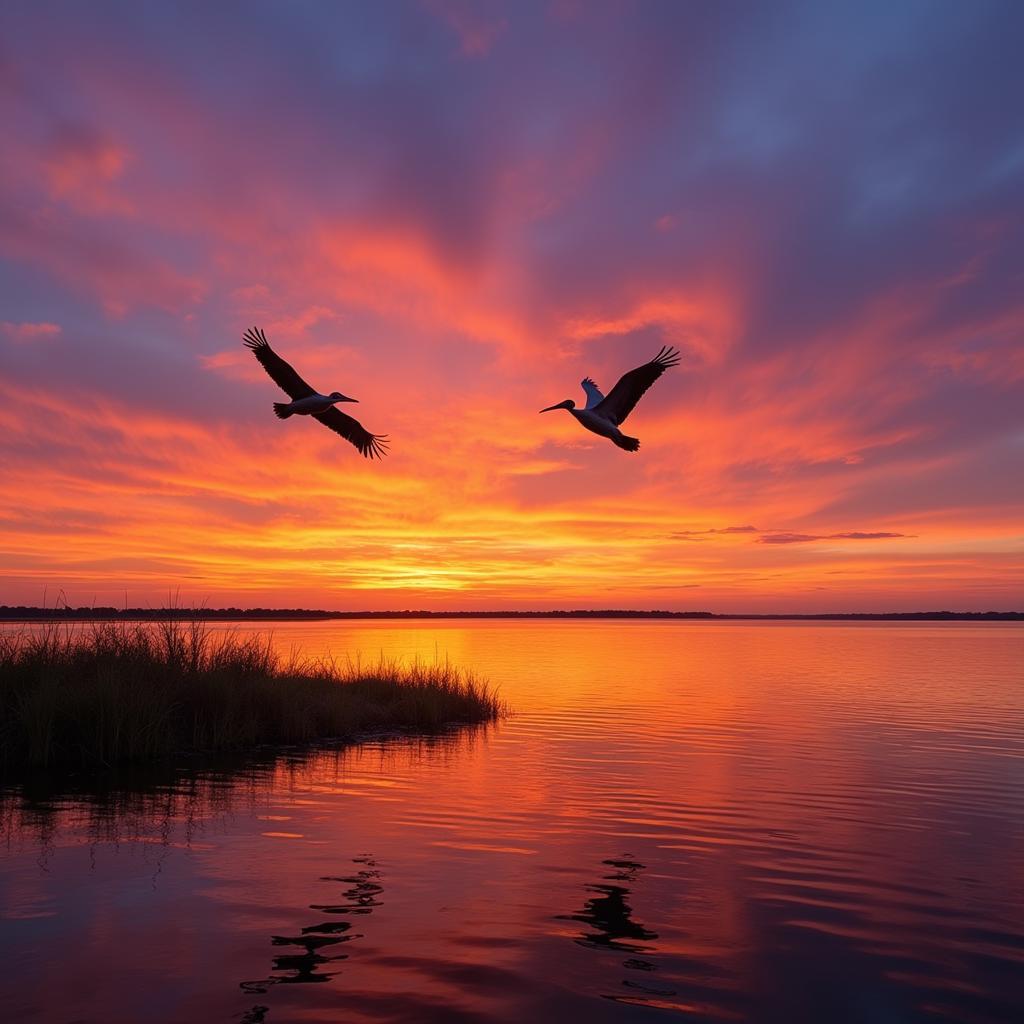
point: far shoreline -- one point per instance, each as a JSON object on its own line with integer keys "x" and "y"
{"x": 28, "y": 614}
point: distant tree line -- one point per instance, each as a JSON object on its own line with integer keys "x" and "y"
{"x": 27, "y": 613}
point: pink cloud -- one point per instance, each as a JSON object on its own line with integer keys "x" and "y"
{"x": 476, "y": 33}
{"x": 119, "y": 274}
{"x": 23, "y": 332}
{"x": 82, "y": 166}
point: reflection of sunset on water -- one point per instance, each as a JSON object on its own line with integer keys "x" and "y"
{"x": 731, "y": 818}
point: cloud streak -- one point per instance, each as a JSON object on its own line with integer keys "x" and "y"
{"x": 28, "y": 332}
{"x": 804, "y": 538}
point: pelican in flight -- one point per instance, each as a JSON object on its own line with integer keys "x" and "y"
{"x": 307, "y": 402}
{"x": 602, "y": 414}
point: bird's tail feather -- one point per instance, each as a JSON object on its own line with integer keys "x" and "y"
{"x": 282, "y": 410}
{"x": 629, "y": 444}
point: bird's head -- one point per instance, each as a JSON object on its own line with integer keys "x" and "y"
{"x": 337, "y": 396}
{"x": 567, "y": 404}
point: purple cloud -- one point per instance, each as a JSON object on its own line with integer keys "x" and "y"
{"x": 803, "y": 538}
{"x": 725, "y": 529}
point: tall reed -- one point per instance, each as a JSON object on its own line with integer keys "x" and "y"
{"x": 89, "y": 696}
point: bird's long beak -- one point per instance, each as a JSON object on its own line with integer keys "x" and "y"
{"x": 550, "y": 407}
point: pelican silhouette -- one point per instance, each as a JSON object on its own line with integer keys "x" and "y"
{"x": 602, "y": 415}
{"x": 307, "y": 402}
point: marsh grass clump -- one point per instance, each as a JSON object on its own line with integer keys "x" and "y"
{"x": 91, "y": 696}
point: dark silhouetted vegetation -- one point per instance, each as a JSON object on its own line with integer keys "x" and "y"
{"x": 91, "y": 696}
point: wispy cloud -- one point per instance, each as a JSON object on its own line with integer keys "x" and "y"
{"x": 724, "y": 529}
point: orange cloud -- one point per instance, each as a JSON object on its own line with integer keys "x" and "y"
{"x": 703, "y": 325}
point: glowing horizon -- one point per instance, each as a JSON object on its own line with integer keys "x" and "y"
{"x": 454, "y": 212}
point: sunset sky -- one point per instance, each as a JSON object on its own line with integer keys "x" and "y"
{"x": 455, "y": 211}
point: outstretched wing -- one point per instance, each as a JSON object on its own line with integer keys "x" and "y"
{"x": 593, "y": 392}
{"x": 631, "y": 387}
{"x": 280, "y": 372}
{"x": 373, "y": 446}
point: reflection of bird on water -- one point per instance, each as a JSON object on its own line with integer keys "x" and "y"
{"x": 305, "y": 967}
{"x": 307, "y": 402}
{"x": 611, "y": 915}
{"x": 603, "y": 415}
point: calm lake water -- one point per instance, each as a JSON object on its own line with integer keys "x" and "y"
{"x": 750, "y": 822}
